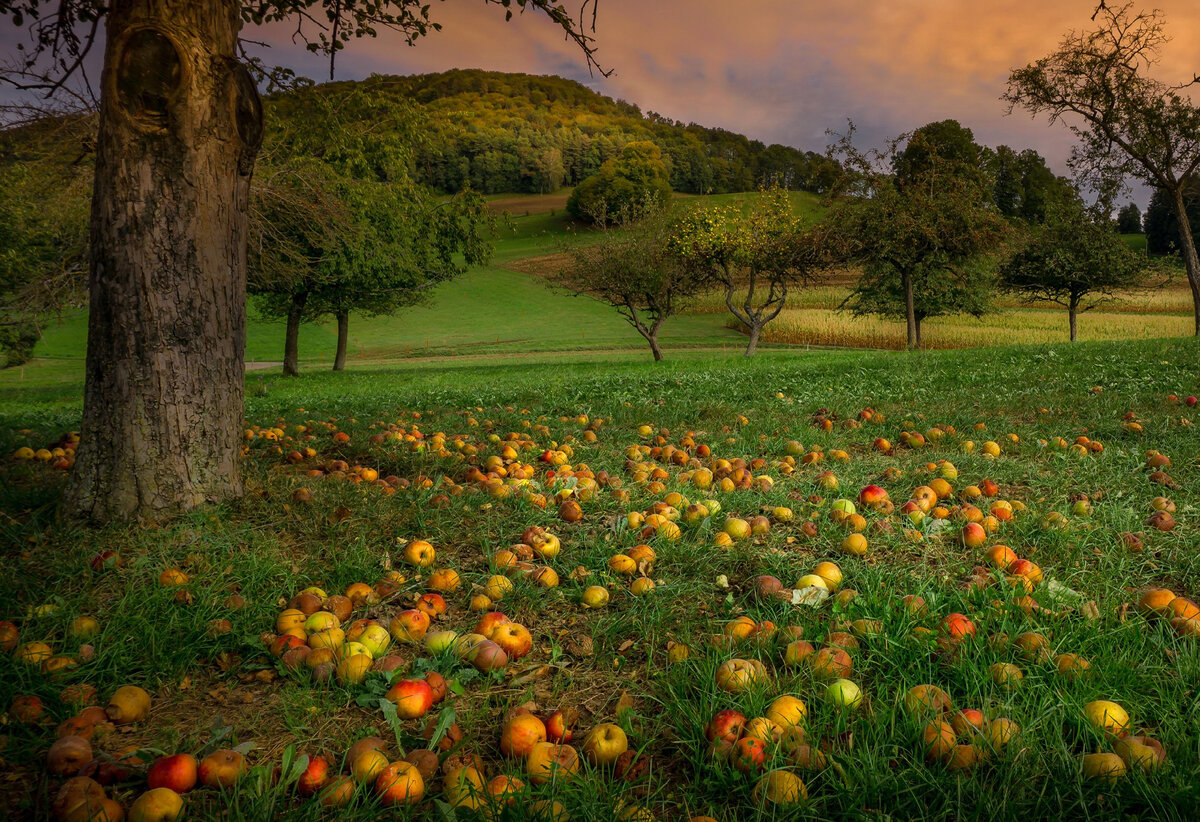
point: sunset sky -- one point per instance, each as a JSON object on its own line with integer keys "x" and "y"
{"x": 781, "y": 71}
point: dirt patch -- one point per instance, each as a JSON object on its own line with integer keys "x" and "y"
{"x": 536, "y": 204}
{"x": 542, "y": 266}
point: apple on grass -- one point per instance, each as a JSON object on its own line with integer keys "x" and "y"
{"x": 514, "y": 638}
{"x": 156, "y": 805}
{"x": 726, "y": 725}
{"x": 412, "y": 697}
{"x": 521, "y": 733}
{"x": 547, "y": 762}
{"x": 560, "y": 726}
{"x": 221, "y": 769}
{"x": 314, "y": 777}
{"x": 604, "y": 743}
{"x": 177, "y": 772}
{"x": 400, "y": 783}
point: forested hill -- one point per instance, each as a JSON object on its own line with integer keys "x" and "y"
{"x": 523, "y": 133}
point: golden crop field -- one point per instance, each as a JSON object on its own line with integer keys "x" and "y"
{"x": 811, "y": 317}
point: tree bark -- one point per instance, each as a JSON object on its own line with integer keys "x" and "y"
{"x": 291, "y": 339}
{"x": 1073, "y": 315}
{"x": 917, "y": 324}
{"x": 179, "y": 126}
{"x": 339, "y": 359}
{"x": 652, "y": 338}
{"x": 910, "y": 312}
{"x": 1191, "y": 262}
{"x": 752, "y": 345}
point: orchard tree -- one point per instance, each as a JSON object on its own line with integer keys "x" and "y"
{"x": 1129, "y": 219}
{"x": 180, "y": 125}
{"x": 1127, "y": 123}
{"x": 923, "y": 233}
{"x": 623, "y": 185}
{"x": 1073, "y": 259}
{"x": 633, "y": 268}
{"x": 1023, "y": 186}
{"x": 337, "y": 223}
{"x": 766, "y": 250}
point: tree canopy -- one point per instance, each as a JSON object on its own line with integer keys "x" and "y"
{"x": 624, "y": 185}
{"x": 633, "y": 268}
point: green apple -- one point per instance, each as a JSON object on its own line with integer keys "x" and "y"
{"x": 440, "y": 641}
{"x": 843, "y": 693}
{"x": 375, "y": 638}
{"x": 845, "y": 506}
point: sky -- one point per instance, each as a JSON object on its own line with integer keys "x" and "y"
{"x": 781, "y": 71}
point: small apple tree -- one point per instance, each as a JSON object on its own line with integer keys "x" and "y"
{"x": 765, "y": 250}
{"x": 922, "y": 224}
{"x": 633, "y": 268}
{"x": 1074, "y": 260}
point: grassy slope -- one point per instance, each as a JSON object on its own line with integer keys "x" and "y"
{"x": 489, "y": 310}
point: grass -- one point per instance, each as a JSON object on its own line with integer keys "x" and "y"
{"x": 267, "y": 547}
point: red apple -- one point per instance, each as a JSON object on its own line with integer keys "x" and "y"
{"x": 315, "y": 776}
{"x": 489, "y": 622}
{"x": 409, "y": 626}
{"x": 957, "y": 627}
{"x": 177, "y": 772}
{"x": 560, "y": 726}
{"x": 433, "y": 605}
{"x": 872, "y": 497}
{"x": 726, "y": 724}
{"x": 412, "y": 697}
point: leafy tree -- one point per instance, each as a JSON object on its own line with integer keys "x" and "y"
{"x": 1074, "y": 259}
{"x": 1129, "y": 219}
{"x": 1023, "y": 185}
{"x": 338, "y": 225}
{"x": 180, "y": 125}
{"x": 634, "y": 270}
{"x": 43, "y": 247}
{"x": 622, "y": 185}
{"x": 767, "y": 251}
{"x": 1127, "y": 123}
{"x": 1162, "y": 226}
{"x": 923, "y": 236}
{"x": 943, "y": 148}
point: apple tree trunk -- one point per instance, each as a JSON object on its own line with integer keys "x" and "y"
{"x": 910, "y": 312}
{"x": 752, "y": 343}
{"x": 180, "y": 125}
{"x": 343, "y": 322}
{"x": 1191, "y": 261}
{"x": 291, "y": 338}
{"x": 1073, "y": 314}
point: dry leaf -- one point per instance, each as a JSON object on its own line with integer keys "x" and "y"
{"x": 624, "y": 705}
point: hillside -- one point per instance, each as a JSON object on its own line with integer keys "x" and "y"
{"x": 523, "y": 133}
